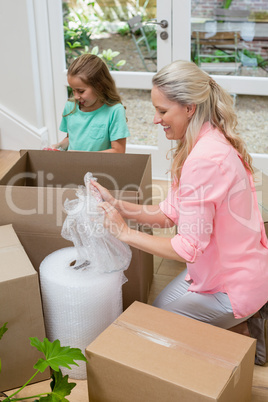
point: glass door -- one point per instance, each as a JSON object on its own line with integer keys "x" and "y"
{"x": 105, "y": 25}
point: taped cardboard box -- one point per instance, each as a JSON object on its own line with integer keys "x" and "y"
{"x": 21, "y": 308}
{"x": 149, "y": 354}
{"x": 33, "y": 192}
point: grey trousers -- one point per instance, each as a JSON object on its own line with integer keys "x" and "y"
{"x": 214, "y": 309}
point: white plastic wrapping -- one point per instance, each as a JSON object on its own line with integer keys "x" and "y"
{"x": 84, "y": 227}
{"x": 82, "y": 286}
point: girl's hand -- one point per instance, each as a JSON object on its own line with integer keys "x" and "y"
{"x": 106, "y": 195}
{"x": 50, "y": 149}
{"x": 114, "y": 222}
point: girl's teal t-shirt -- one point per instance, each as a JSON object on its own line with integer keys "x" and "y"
{"x": 94, "y": 131}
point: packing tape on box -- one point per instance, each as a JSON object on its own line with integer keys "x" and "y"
{"x": 174, "y": 344}
{"x": 78, "y": 304}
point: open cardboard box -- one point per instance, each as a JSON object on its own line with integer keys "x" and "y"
{"x": 21, "y": 308}
{"x": 33, "y": 192}
{"x": 149, "y": 354}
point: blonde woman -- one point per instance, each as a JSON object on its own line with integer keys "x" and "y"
{"x": 212, "y": 201}
{"x": 94, "y": 119}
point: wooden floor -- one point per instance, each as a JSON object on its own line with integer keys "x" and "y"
{"x": 164, "y": 272}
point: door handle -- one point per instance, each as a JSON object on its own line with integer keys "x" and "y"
{"x": 163, "y": 24}
{"x": 164, "y": 35}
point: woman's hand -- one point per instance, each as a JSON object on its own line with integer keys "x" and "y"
{"x": 113, "y": 221}
{"x": 106, "y": 195}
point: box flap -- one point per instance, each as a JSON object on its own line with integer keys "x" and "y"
{"x": 146, "y": 196}
{"x": 114, "y": 171}
{"x": 14, "y": 262}
{"x": 16, "y": 175}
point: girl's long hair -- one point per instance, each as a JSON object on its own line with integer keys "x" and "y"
{"x": 93, "y": 71}
{"x": 185, "y": 83}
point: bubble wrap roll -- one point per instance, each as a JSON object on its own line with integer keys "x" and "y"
{"x": 78, "y": 304}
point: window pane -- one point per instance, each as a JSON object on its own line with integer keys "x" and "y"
{"x": 231, "y": 41}
{"x": 104, "y": 24}
{"x": 252, "y": 112}
{"x": 140, "y": 114}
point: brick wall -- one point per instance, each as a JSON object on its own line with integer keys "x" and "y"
{"x": 205, "y": 7}
{"x": 258, "y": 47}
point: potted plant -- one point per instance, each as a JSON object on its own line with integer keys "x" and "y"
{"x": 55, "y": 356}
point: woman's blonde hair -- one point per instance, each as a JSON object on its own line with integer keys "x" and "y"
{"x": 93, "y": 71}
{"x": 185, "y": 83}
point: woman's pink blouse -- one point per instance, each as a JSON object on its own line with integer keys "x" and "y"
{"x": 220, "y": 231}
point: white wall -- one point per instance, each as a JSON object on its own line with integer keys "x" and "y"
{"x": 27, "y": 107}
{"x": 18, "y": 64}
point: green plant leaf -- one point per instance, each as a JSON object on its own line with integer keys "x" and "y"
{"x": 55, "y": 355}
{"x": 109, "y": 54}
{"x": 3, "y": 329}
{"x": 60, "y": 388}
{"x": 74, "y": 45}
{"x": 227, "y": 3}
{"x": 114, "y": 54}
{"x": 121, "y": 63}
{"x": 95, "y": 50}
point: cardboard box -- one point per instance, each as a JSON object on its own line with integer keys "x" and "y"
{"x": 149, "y": 354}
{"x": 34, "y": 190}
{"x": 21, "y": 308}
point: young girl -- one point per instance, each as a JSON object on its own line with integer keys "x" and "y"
{"x": 94, "y": 119}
